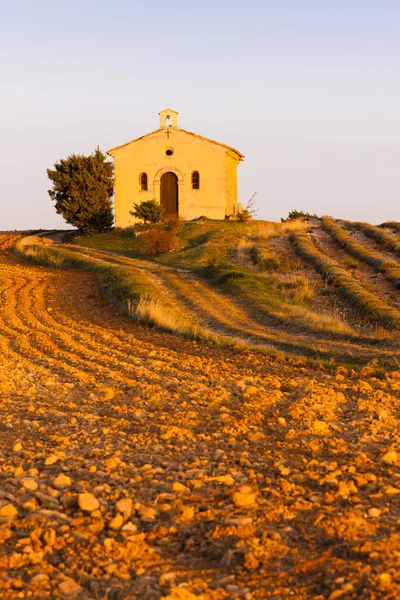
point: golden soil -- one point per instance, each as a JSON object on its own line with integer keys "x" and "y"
{"x": 135, "y": 464}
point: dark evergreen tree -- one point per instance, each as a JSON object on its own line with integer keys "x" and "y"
{"x": 82, "y": 190}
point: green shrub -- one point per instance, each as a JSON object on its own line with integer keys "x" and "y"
{"x": 149, "y": 211}
{"x": 298, "y": 214}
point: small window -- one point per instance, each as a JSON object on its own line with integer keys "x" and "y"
{"x": 195, "y": 180}
{"x": 143, "y": 182}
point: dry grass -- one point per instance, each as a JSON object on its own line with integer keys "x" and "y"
{"x": 269, "y": 230}
{"x": 383, "y": 238}
{"x": 390, "y": 268}
{"x": 369, "y": 303}
{"x": 304, "y": 292}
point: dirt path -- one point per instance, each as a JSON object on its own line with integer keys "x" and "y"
{"x": 135, "y": 464}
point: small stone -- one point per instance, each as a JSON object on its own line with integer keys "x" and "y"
{"x": 251, "y": 390}
{"x": 250, "y": 562}
{"x": 391, "y": 490}
{"x": 69, "y": 587}
{"x": 147, "y": 513}
{"x": 385, "y": 580}
{"x": 390, "y": 457}
{"x": 181, "y": 594}
{"x": 225, "y": 479}
{"x": 167, "y": 578}
{"x": 240, "y": 521}
{"x": 320, "y": 427}
{"x": 39, "y": 580}
{"x": 374, "y": 512}
{"x": 179, "y": 487}
{"x": 129, "y": 527}
{"x": 187, "y": 513}
{"x": 50, "y": 460}
{"x": 244, "y": 496}
{"x": 46, "y": 499}
{"x": 30, "y": 484}
{"x": 124, "y": 507}
{"x": 116, "y": 523}
{"x": 88, "y": 502}
{"x": 227, "y": 558}
{"x": 17, "y": 447}
{"x": 8, "y": 511}
{"x": 49, "y": 537}
{"x": 108, "y": 543}
{"x": 383, "y": 415}
{"x": 61, "y": 482}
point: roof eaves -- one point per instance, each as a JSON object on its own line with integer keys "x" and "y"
{"x": 201, "y": 137}
{"x": 133, "y": 141}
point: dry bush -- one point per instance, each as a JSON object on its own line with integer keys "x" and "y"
{"x": 160, "y": 238}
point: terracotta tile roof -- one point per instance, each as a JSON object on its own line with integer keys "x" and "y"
{"x": 200, "y": 137}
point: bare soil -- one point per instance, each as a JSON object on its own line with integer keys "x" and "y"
{"x": 135, "y": 464}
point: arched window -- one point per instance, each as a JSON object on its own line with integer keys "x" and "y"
{"x": 195, "y": 180}
{"x": 143, "y": 182}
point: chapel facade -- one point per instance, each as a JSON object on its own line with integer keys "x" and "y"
{"x": 188, "y": 174}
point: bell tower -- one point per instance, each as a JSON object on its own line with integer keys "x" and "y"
{"x": 168, "y": 118}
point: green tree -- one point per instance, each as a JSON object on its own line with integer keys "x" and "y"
{"x": 82, "y": 190}
{"x": 149, "y": 211}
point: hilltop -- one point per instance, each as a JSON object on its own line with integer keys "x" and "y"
{"x": 324, "y": 288}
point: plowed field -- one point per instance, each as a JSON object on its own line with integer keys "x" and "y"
{"x": 135, "y": 464}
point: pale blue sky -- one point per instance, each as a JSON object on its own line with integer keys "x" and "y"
{"x": 308, "y": 90}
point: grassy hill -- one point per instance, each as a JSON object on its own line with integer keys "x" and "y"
{"x": 325, "y": 289}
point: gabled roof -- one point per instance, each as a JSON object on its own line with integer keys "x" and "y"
{"x": 200, "y": 137}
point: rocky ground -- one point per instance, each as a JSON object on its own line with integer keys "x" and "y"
{"x": 134, "y": 464}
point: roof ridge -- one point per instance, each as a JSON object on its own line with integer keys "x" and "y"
{"x": 239, "y": 154}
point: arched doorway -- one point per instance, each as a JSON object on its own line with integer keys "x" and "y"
{"x": 169, "y": 195}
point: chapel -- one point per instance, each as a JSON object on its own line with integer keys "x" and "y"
{"x": 188, "y": 174}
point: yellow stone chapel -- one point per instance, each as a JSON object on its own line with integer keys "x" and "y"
{"x": 190, "y": 175}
